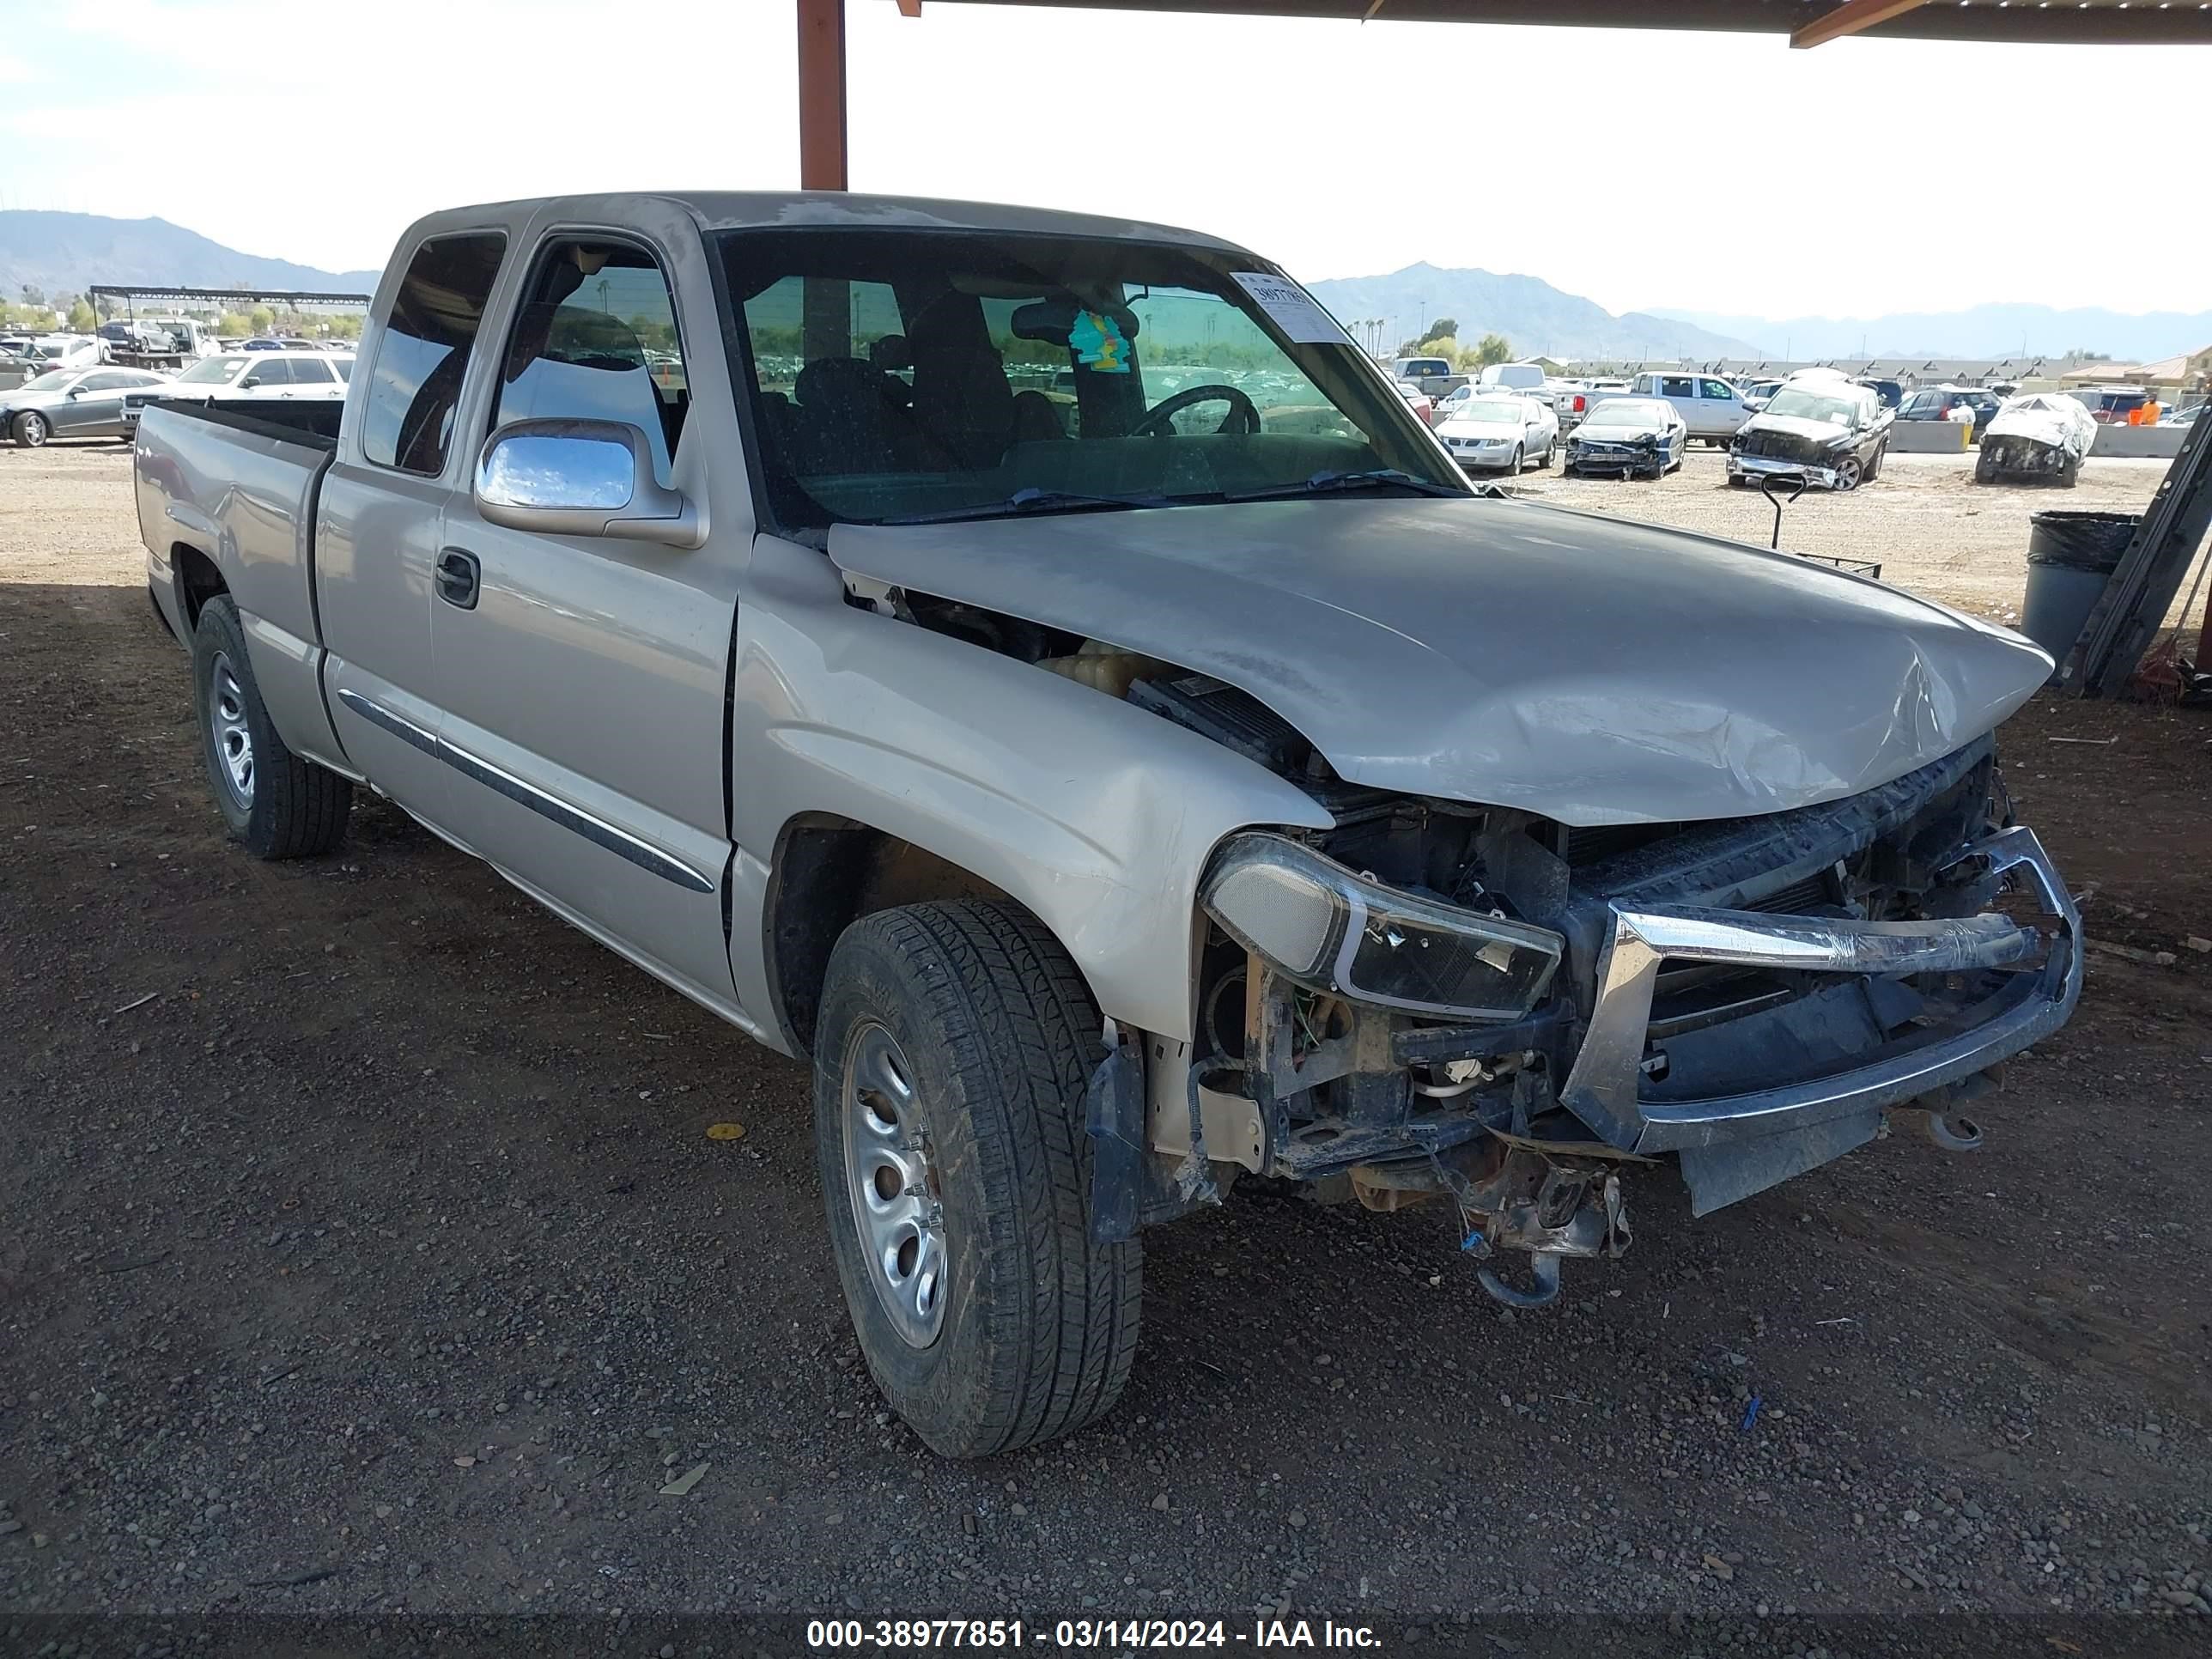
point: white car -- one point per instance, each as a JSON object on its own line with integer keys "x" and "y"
{"x": 1500, "y": 431}
{"x": 255, "y": 374}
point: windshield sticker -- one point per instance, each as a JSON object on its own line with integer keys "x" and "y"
{"x": 1096, "y": 340}
{"x": 1292, "y": 309}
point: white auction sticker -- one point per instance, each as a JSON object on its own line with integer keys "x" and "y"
{"x": 1292, "y": 309}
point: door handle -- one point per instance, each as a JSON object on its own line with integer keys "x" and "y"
{"x": 460, "y": 577}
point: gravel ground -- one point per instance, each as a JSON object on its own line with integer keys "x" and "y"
{"x": 361, "y": 1251}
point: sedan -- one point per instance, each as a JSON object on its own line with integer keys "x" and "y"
{"x": 72, "y": 402}
{"x": 1499, "y": 432}
{"x": 1629, "y": 436}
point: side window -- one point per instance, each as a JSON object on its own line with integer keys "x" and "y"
{"x": 595, "y": 339}
{"x": 310, "y": 371}
{"x": 343, "y": 368}
{"x": 407, "y": 422}
{"x": 1720, "y": 389}
{"x": 1677, "y": 385}
{"x": 270, "y": 371}
{"x": 102, "y": 382}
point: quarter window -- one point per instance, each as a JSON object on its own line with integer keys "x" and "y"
{"x": 407, "y": 422}
{"x": 595, "y": 338}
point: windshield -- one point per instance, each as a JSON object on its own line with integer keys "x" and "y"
{"x": 1628, "y": 411}
{"x": 217, "y": 370}
{"x": 1811, "y": 406}
{"x": 52, "y": 380}
{"x": 1491, "y": 411}
{"x": 906, "y": 373}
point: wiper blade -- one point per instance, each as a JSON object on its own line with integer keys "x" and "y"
{"x": 1034, "y": 501}
{"x": 1323, "y": 483}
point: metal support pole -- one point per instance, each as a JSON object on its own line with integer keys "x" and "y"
{"x": 821, "y": 94}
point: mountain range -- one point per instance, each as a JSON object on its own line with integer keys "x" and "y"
{"x": 1537, "y": 318}
{"x": 64, "y": 253}
{"x": 1982, "y": 331}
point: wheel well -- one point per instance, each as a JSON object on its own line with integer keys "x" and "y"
{"x": 199, "y": 580}
{"x": 829, "y": 873}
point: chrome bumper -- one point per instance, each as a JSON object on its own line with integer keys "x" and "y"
{"x": 1603, "y": 1088}
{"x": 1756, "y": 465}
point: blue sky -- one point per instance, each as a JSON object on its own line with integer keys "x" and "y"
{"x": 1765, "y": 181}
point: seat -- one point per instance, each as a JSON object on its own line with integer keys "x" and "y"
{"x": 846, "y": 419}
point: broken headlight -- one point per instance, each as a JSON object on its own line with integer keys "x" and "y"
{"x": 1330, "y": 929}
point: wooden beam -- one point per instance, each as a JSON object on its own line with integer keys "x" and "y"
{"x": 821, "y": 94}
{"x": 1849, "y": 18}
{"x": 910, "y": 8}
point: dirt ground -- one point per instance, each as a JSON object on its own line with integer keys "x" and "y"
{"x": 361, "y": 1251}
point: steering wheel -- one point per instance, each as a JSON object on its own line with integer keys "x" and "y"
{"x": 1241, "y": 413}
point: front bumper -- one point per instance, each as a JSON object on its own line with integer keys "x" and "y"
{"x": 1485, "y": 455}
{"x": 1604, "y": 1087}
{"x": 1755, "y": 466}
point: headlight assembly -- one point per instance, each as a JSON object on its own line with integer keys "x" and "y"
{"x": 1330, "y": 929}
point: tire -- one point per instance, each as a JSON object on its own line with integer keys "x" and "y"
{"x": 277, "y": 804}
{"x": 1985, "y": 469}
{"x": 1029, "y": 1330}
{"x": 1515, "y": 464}
{"x": 1874, "y": 466}
{"x": 2070, "y": 474}
{"x": 1544, "y": 462}
{"x": 1848, "y": 474}
{"x": 31, "y": 429}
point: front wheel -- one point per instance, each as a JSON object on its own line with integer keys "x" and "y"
{"x": 951, "y": 1060}
{"x": 1515, "y": 465}
{"x": 1847, "y": 473}
{"x": 31, "y": 429}
{"x": 279, "y": 805}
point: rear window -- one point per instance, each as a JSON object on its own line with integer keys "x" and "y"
{"x": 407, "y": 422}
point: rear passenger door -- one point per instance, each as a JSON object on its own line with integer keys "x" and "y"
{"x": 583, "y": 679}
{"x": 383, "y": 501}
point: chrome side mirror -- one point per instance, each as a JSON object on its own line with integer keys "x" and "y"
{"x": 563, "y": 478}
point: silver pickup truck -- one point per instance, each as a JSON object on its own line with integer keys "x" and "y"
{"x": 1118, "y": 795}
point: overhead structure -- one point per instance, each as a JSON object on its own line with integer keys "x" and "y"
{"x": 291, "y": 299}
{"x": 822, "y": 130}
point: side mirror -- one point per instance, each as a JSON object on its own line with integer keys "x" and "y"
{"x": 581, "y": 479}
{"x": 249, "y": 383}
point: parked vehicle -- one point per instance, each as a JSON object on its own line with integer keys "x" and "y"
{"x": 1109, "y": 815}
{"x": 2044, "y": 436}
{"x": 1938, "y": 402}
{"x": 1434, "y": 376}
{"x": 157, "y": 342}
{"x": 1758, "y": 391}
{"x": 1710, "y": 407}
{"x": 1500, "y": 431}
{"x": 287, "y": 376}
{"x": 70, "y": 402}
{"x": 2110, "y": 405}
{"x": 1892, "y": 393}
{"x": 1518, "y": 377}
{"x": 1629, "y": 436}
{"x": 1417, "y": 401}
{"x": 1831, "y": 433}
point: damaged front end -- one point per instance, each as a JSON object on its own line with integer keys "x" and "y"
{"x": 1435, "y": 1001}
{"x": 1758, "y": 450}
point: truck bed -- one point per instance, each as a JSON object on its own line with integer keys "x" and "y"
{"x": 234, "y": 485}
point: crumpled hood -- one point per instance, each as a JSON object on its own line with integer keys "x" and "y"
{"x": 1619, "y": 431}
{"x": 1591, "y": 669}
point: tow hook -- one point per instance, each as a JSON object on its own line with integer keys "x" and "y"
{"x": 1566, "y": 1218}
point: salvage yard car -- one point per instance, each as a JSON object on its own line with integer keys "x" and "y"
{"x": 1832, "y": 433}
{"x": 1114, "y": 809}
{"x": 72, "y": 402}
{"x": 2043, "y": 436}
{"x": 1500, "y": 431}
{"x": 1633, "y": 437}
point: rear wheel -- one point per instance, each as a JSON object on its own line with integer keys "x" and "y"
{"x": 31, "y": 429}
{"x": 1544, "y": 461}
{"x": 278, "y": 805}
{"x": 952, "y": 1056}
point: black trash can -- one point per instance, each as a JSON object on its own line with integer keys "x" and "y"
{"x": 2070, "y": 557}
